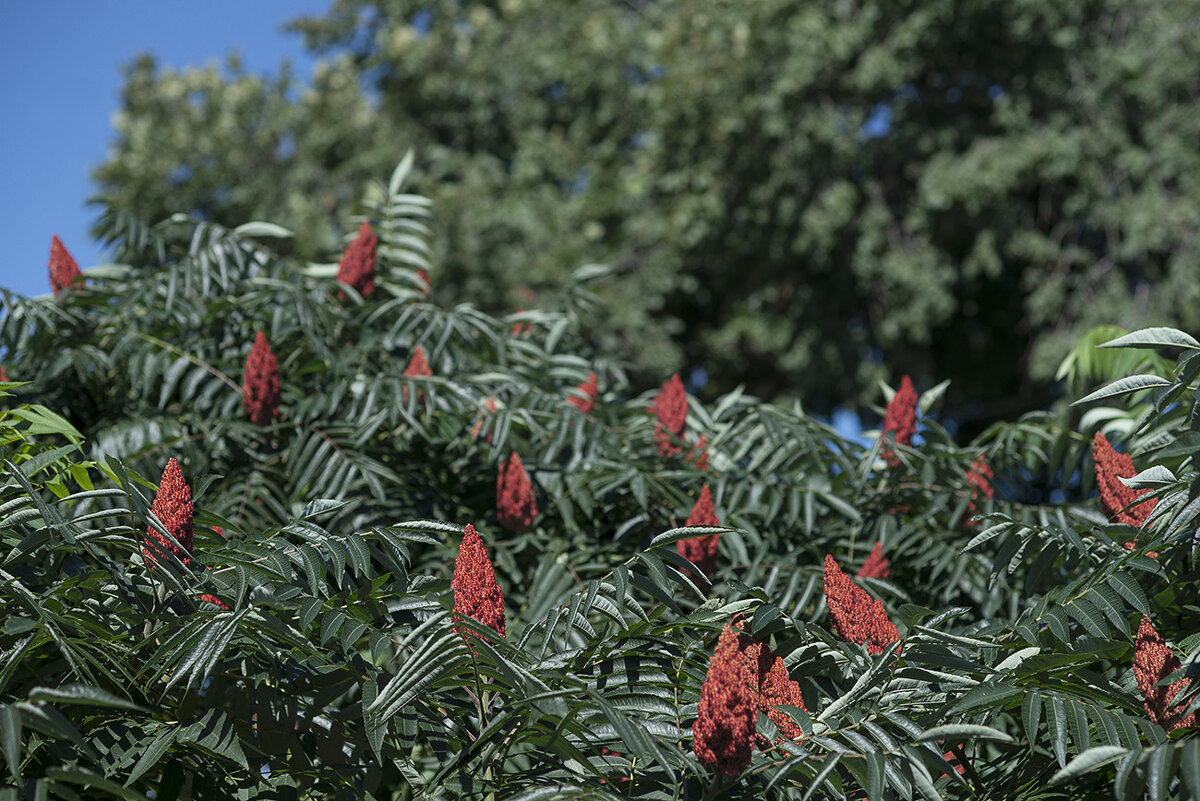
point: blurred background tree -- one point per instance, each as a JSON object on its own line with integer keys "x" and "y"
{"x": 794, "y": 194}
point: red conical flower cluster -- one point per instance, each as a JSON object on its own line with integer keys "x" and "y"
{"x": 260, "y": 382}
{"x": 173, "y": 506}
{"x": 900, "y": 418}
{"x": 979, "y": 479}
{"x": 772, "y": 685}
{"x": 418, "y": 367}
{"x": 1115, "y": 496}
{"x": 856, "y": 616}
{"x": 702, "y": 551}
{"x": 515, "y": 503}
{"x": 670, "y": 406}
{"x": 776, "y": 689}
{"x": 875, "y": 566}
{"x": 476, "y": 593}
{"x": 1154, "y": 661}
{"x": 585, "y": 401}
{"x": 723, "y": 734}
{"x": 64, "y": 271}
{"x": 357, "y": 267}
{"x": 423, "y": 274}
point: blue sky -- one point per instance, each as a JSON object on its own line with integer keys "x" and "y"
{"x": 61, "y": 64}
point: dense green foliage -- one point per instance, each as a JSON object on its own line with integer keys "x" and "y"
{"x": 337, "y": 673}
{"x": 798, "y": 197}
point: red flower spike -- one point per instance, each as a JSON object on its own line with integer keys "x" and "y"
{"x": 855, "y": 615}
{"x": 723, "y": 734}
{"x": 208, "y": 597}
{"x": 1115, "y": 496}
{"x": 418, "y": 367}
{"x": 900, "y": 418}
{"x": 173, "y": 506}
{"x": 519, "y": 328}
{"x": 952, "y": 758}
{"x": 772, "y": 685}
{"x": 702, "y": 551}
{"x": 979, "y": 479}
{"x": 1153, "y": 661}
{"x": 357, "y": 267}
{"x": 64, "y": 271}
{"x": 515, "y": 503}
{"x": 670, "y": 406}
{"x": 3, "y": 376}
{"x": 776, "y": 689}
{"x": 476, "y": 593}
{"x": 698, "y": 458}
{"x": 418, "y": 364}
{"x": 586, "y": 400}
{"x": 423, "y": 274}
{"x": 875, "y": 566}
{"x": 260, "y": 382}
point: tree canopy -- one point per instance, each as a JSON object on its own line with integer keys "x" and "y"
{"x": 795, "y": 195}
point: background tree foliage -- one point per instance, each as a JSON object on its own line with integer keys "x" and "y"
{"x": 336, "y": 672}
{"x": 226, "y": 146}
{"x": 797, "y": 194}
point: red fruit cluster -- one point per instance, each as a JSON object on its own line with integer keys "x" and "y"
{"x": 775, "y": 689}
{"x": 260, "y": 382}
{"x": 772, "y": 685}
{"x": 585, "y": 401}
{"x": 979, "y": 479}
{"x": 418, "y": 367}
{"x": 1115, "y": 497}
{"x": 670, "y": 406}
{"x": 515, "y": 504}
{"x": 357, "y": 267}
{"x": 519, "y": 328}
{"x": 476, "y": 593}
{"x": 173, "y": 506}
{"x": 702, "y": 551}
{"x": 856, "y": 616}
{"x": 1154, "y": 661}
{"x": 952, "y": 758}
{"x": 900, "y": 419}
{"x": 64, "y": 271}
{"x": 208, "y": 597}
{"x": 418, "y": 364}
{"x": 875, "y": 566}
{"x": 723, "y": 734}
